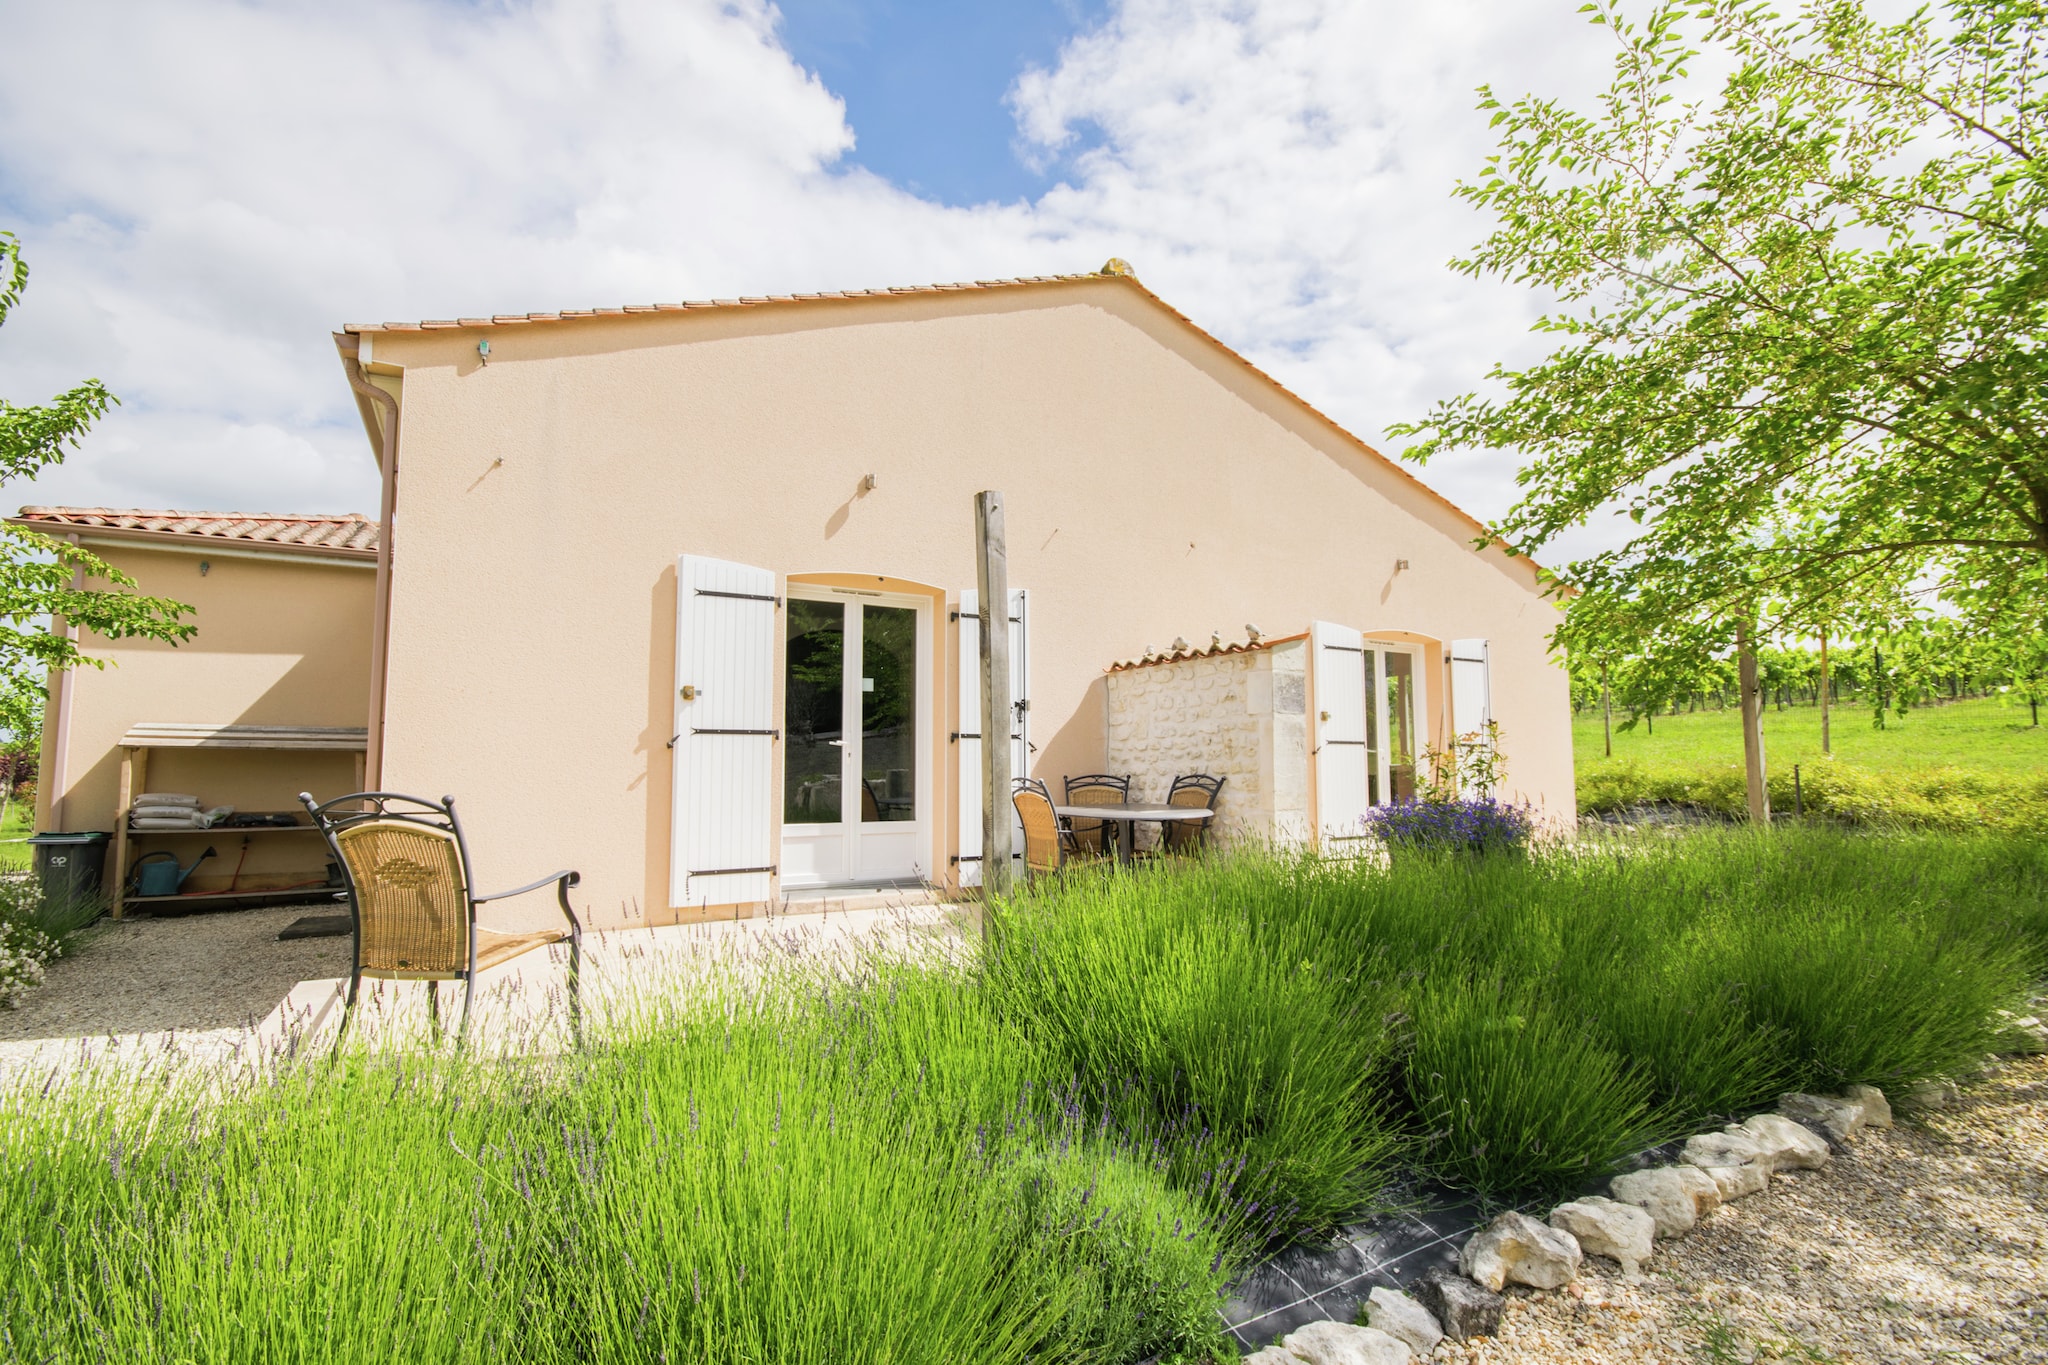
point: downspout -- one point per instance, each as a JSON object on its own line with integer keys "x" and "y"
{"x": 53, "y": 781}
{"x": 380, "y": 614}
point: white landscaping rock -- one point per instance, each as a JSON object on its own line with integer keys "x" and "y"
{"x": 1403, "y": 1319}
{"x": 1842, "y": 1120}
{"x": 2023, "y": 1033}
{"x": 1271, "y": 1355}
{"x": 1601, "y": 1227}
{"x": 1340, "y": 1343}
{"x": 1516, "y": 1249}
{"x": 1877, "y": 1110}
{"x": 1939, "y": 1093}
{"x": 1676, "y": 1197}
{"x": 1734, "y": 1160}
{"x": 1784, "y": 1145}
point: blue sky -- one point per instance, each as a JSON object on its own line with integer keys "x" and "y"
{"x": 925, "y": 84}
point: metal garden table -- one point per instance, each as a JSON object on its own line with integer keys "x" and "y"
{"x": 1127, "y": 815}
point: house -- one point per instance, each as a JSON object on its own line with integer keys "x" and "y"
{"x": 267, "y": 700}
{"x": 682, "y": 595}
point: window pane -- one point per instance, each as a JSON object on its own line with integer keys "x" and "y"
{"x": 813, "y": 690}
{"x": 888, "y": 713}
{"x": 1401, "y": 724}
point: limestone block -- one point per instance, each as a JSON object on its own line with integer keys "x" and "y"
{"x": 1340, "y": 1343}
{"x": 1675, "y": 1197}
{"x": 1784, "y": 1145}
{"x": 1516, "y": 1249}
{"x": 1620, "y": 1232}
{"x": 1403, "y": 1319}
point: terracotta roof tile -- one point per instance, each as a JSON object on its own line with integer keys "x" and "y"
{"x": 352, "y": 533}
{"x": 1181, "y": 650}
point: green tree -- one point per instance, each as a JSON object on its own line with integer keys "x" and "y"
{"x": 42, "y": 578}
{"x": 1799, "y": 319}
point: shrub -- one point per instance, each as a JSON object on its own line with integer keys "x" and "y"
{"x": 801, "y": 1172}
{"x": 1514, "y": 1093}
{"x": 1191, "y": 1005}
{"x": 1450, "y": 825}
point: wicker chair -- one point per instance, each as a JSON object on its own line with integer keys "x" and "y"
{"x": 1197, "y": 790}
{"x": 405, "y": 870}
{"x": 1095, "y": 837}
{"x": 1047, "y": 843}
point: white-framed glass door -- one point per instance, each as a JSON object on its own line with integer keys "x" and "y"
{"x": 1394, "y": 720}
{"x": 856, "y": 701}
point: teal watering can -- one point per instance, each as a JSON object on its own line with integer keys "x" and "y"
{"x": 158, "y": 874}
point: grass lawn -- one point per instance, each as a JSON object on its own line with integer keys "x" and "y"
{"x": 14, "y": 850}
{"x": 1058, "y": 1150}
{"x": 1984, "y": 734}
{"x": 1962, "y": 766}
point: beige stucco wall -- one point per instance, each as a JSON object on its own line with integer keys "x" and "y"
{"x": 1236, "y": 716}
{"x": 279, "y": 643}
{"x": 1156, "y": 487}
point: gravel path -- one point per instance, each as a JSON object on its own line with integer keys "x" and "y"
{"x": 193, "y": 972}
{"x": 1927, "y": 1243}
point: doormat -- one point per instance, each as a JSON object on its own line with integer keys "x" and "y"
{"x": 316, "y": 926}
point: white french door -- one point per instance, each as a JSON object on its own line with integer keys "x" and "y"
{"x": 1370, "y": 705}
{"x": 856, "y": 804}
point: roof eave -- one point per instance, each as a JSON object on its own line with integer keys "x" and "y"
{"x": 194, "y": 544}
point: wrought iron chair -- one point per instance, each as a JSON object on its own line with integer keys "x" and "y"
{"x": 1095, "y": 837}
{"x": 405, "y": 873}
{"x": 1195, "y": 790}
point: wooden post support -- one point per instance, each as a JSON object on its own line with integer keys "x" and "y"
{"x": 1752, "y": 724}
{"x": 131, "y": 759}
{"x": 1826, "y": 745}
{"x": 992, "y": 580}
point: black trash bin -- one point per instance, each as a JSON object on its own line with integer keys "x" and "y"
{"x": 69, "y": 864}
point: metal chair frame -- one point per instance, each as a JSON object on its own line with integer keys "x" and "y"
{"x": 439, "y": 816}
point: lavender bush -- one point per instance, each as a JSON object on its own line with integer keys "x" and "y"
{"x": 1449, "y": 825}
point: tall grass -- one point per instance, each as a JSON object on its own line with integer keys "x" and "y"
{"x": 809, "y": 1171}
{"x": 1060, "y": 1150}
{"x": 1199, "y": 1007}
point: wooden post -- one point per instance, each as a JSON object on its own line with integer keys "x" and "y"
{"x": 1826, "y": 745}
{"x": 1607, "y": 710}
{"x": 1752, "y": 725}
{"x": 992, "y": 580}
{"x": 131, "y": 760}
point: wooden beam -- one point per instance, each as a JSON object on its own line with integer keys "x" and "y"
{"x": 992, "y": 580}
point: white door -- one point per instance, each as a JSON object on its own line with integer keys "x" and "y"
{"x": 856, "y": 808}
{"x": 720, "y": 847}
{"x": 967, "y": 740}
{"x": 1395, "y": 679}
{"x": 1345, "y": 787}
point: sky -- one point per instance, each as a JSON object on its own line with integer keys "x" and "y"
{"x": 207, "y": 189}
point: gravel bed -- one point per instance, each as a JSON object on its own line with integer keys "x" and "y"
{"x": 191, "y": 972}
{"x": 1924, "y": 1243}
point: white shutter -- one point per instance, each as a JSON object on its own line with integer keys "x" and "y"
{"x": 1343, "y": 793}
{"x": 967, "y": 739}
{"x": 1471, "y": 686}
{"x": 727, "y": 733}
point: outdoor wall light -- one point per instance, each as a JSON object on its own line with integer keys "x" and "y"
{"x": 483, "y": 351}
{"x": 204, "y": 567}
{"x": 867, "y": 484}
{"x": 1399, "y": 565}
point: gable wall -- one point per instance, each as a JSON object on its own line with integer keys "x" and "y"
{"x": 1155, "y": 488}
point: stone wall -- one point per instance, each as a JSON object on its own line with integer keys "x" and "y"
{"x": 1239, "y": 716}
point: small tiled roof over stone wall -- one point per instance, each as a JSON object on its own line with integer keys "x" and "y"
{"x": 352, "y": 533}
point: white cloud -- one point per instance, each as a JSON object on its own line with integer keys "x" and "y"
{"x": 207, "y": 188}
